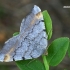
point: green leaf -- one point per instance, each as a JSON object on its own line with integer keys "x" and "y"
{"x": 57, "y": 51}
{"x": 30, "y": 65}
{"x": 16, "y": 33}
{"x": 69, "y": 49}
{"x": 48, "y": 23}
{"x": 45, "y": 62}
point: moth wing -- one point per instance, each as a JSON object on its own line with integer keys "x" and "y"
{"x": 36, "y": 38}
{"x": 8, "y": 49}
{"x": 26, "y": 22}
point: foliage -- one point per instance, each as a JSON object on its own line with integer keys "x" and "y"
{"x": 57, "y": 50}
{"x": 48, "y": 23}
{"x": 30, "y": 65}
{"x": 16, "y": 33}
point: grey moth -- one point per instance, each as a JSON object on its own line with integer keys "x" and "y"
{"x": 31, "y": 42}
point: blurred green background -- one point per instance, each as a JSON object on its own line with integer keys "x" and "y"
{"x": 13, "y": 11}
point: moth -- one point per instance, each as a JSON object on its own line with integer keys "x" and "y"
{"x": 31, "y": 42}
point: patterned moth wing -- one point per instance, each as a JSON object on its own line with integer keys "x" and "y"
{"x": 30, "y": 43}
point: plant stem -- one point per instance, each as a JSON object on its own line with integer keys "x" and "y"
{"x": 45, "y": 62}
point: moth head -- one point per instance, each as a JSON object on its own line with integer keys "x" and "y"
{"x": 36, "y": 9}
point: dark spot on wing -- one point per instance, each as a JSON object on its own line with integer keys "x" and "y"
{"x": 23, "y": 58}
{"x": 13, "y": 59}
{"x": 42, "y": 20}
{"x": 44, "y": 30}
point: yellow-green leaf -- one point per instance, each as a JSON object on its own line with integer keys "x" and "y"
{"x": 48, "y": 23}
{"x": 57, "y": 51}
